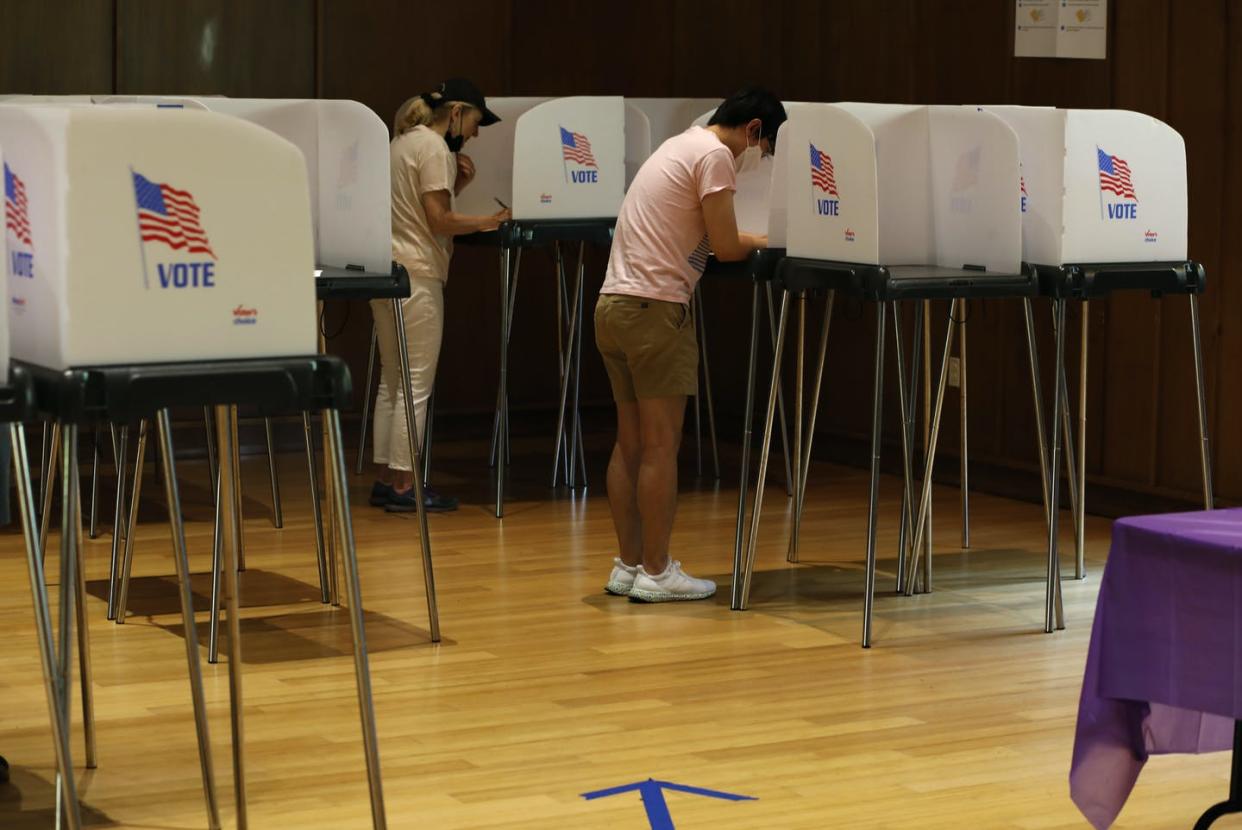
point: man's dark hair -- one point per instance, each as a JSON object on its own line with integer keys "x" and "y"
{"x": 747, "y": 104}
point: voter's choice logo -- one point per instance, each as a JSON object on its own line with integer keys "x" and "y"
{"x": 17, "y": 225}
{"x": 1117, "y": 197}
{"x": 577, "y": 158}
{"x": 243, "y": 316}
{"x": 1151, "y": 236}
{"x": 171, "y": 235}
{"x": 824, "y": 184}
{"x": 850, "y": 236}
{"x": 545, "y": 198}
{"x": 1023, "y": 198}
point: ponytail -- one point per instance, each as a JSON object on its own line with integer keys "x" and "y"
{"x": 420, "y": 111}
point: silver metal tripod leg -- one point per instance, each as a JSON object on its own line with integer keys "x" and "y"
{"x": 93, "y": 526}
{"x": 563, "y": 435}
{"x": 212, "y": 458}
{"x": 1037, "y": 398}
{"x": 965, "y": 420}
{"x": 127, "y": 562}
{"x": 173, "y": 496}
{"x": 362, "y": 672}
{"x": 511, "y": 263}
{"x": 229, "y": 481}
{"x": 68, "y": 805}
{"x": 877, "y": 425}
{"x": 804, "y": 465}
{"x": 780, "y": 397}
{"x": 701, "y": 322}
{"x": 1053, "y": 612}
{"x": 84, "y": 638}
{"x": 1205, "y": 448}
{"x": 278, "y": 515}
{"x": 49, "y": 479}
{"x": 320, "y": 550}
{"x": 424, "y": 535}
{"x": 217, "y": 574}
{"x": 366, "y": 400}
{"x": 1067, "y": 430}
{"x": 907, "y": 392}
{"x": 1080, "y": 540}
{"x": 577, "y": 470}
{"x": 120, "y": 459}
{"x": 500, "y": 428}
{"x": 799, "y": 384}
{"x": 922, "y": 521}
{"x": 766, "y": 445}
{"x": 735, "y": 598}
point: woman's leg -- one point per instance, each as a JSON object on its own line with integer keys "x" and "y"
{"x": 424, "y": 327}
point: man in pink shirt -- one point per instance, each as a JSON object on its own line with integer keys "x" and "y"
{"x": 678, "y": 211}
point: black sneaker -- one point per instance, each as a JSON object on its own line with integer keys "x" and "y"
{"x": 381, "y": 494}
{"x": 433, "y": 502}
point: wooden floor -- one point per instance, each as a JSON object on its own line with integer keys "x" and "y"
{"x": 961, "y": 716}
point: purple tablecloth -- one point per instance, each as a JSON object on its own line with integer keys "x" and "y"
{"x": 1164, "y": 670}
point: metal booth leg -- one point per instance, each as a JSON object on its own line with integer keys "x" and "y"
{"x": 362, "y": 672}
{"x": 120, "y": 456}
{"x": 68, "y": 806}
{"x": 780, "y": 396}
{"x": 93, "y": 525}
{"x": 804, "y": 464}
{"x": 424, "y": 535}
{"x": 735, "y": 598}
{"x": 877, "y": 424}
{"x": 965, "y": 420}
{"x": 127, "y": 562}
{"x": 700, "y": 320}
{"x": 1053, "y": 612}
{"x": 320, "y": 550}
{"x": 1205, "y": 449}
{"x": 176, "y": 526}
{"x": 752, "y": 542}
{"x": 366, "y": 400}
{"x": 278, "y": 518}
{"x": 907, "y": 395}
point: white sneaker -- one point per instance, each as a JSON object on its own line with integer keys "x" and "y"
{"x": 621, "y": 580}
{"x": 672, "y": 585}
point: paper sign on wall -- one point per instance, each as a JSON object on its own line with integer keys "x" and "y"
{"x": 1061, "y": 29}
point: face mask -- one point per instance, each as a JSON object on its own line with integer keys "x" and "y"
{"x": 749, "y": 160}
{"x": 454, "y": 142}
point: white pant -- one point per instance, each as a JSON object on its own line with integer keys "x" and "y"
{"x": 424, "y": 327}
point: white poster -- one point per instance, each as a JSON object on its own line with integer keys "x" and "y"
{"x": 1061, "y": 29}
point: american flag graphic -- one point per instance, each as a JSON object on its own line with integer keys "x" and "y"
{"x": 16, "y": 216}
{"x": 576, "y": 148}
{"x": 1115, "y": 175}
{"x": 966, "y": 175}
{"x": 1022, "y": 184}
{"x": 170, "y": 216}
{"x": 822, "y": 174}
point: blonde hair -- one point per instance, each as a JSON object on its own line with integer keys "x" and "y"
{"x": 422, "y": 111}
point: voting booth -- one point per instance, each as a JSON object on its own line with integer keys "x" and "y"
{"x": 118, "y": 232}
{"x": 344, "y": 146}
{"x": 1099, "y": 186}
{"x": 893, "y": 203}
{"x": 887, "y": 184}
{"x": 662, "y": 119}
{"x": 560, "y": 165}
{"x": 1104, "y": 206}
{"x": 164, "y": 263}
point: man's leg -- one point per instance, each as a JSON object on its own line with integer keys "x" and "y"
{"x": 623, "y": 483}
{"x": 660, "y": 423}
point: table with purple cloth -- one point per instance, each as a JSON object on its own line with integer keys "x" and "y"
{"x": 1164, "y": 669}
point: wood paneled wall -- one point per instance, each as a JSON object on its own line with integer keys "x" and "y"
{"x": 1178, "y": 60}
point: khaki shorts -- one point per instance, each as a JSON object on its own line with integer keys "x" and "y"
{"x": 649, "y": 347}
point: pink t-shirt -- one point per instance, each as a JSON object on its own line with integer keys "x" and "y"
{"x": 660, "y": 246}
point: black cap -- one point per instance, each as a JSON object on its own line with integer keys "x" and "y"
{"x": 460, "y": 89}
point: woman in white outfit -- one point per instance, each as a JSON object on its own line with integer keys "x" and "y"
{"x": 428, "y": 170}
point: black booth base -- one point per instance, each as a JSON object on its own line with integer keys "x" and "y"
{"x": 96, "y": 394}
{"x": 1087, "y": 281}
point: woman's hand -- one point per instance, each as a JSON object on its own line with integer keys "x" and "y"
{"x": 497, "y": 219}
{"x": 465, "y": 172}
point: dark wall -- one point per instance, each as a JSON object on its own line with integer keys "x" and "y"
{"x": 1178, "y": 60}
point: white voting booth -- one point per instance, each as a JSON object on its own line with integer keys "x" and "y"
{"x": 560, "y": 158}
{"x": 903, "y": 185}
{"x": 663, "y": 118}
{"x": 1099, "y": 186}
{"x": 145, "y": 222}
{"x": 345, "y": 147}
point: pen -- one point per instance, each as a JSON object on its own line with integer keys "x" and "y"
{"x": 502, "y": 204}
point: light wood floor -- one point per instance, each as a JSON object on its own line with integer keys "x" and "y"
{"x": 961, "y": 716}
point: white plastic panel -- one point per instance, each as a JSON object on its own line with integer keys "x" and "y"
{"x": 222, "y": 271}
{"x": 492, "y": 154}
{"x": 569, "y": 159}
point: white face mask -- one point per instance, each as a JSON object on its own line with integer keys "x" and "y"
{"x": 749, "y": 159}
